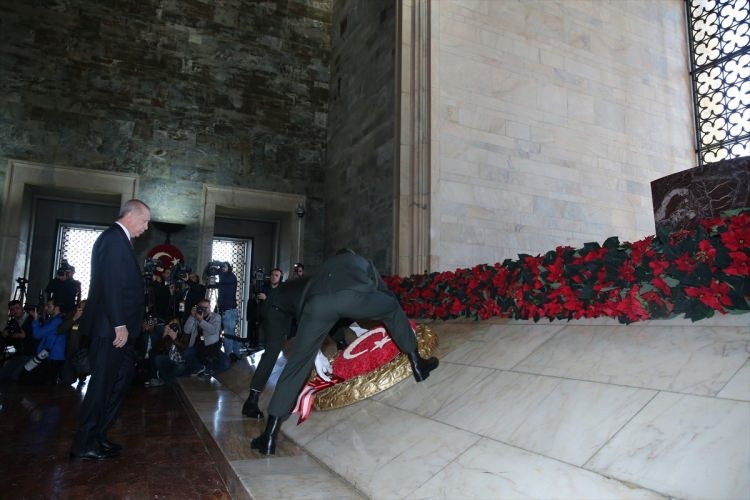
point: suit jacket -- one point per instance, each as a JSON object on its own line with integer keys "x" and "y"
{"x": 116, "y": 294}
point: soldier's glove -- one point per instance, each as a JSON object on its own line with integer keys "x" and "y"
{"x": 323, "y": 366}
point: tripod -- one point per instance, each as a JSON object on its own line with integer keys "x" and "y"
{"x": 20, "y": 293}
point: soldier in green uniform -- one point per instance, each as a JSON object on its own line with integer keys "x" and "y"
{"x": 346, "y": 286}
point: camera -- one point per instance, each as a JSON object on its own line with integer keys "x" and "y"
{"x": 36, "y": 360}
{"x": 151, "y": 320}
{"x": 12, "y": 327}
{"x": 213, "y": 268}
{"x": 175, "y": 328}
{"x": 200, "y": 310}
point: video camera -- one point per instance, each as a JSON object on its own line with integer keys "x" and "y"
{"x": 149, "y": 268}
{"x": 213, "y": 268}
{"x": 211, "y": 272}
{"x": 180, "y": 272}
{"x": 259, "y": 279}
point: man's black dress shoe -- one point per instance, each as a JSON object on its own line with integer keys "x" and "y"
{"x": 108, "y": 445}
{"x": 99, "y": 454}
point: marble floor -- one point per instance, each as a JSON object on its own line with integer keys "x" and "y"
{"x": 585, "y": 409}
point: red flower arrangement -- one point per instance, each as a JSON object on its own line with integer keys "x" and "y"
{"x": 691, "y": 272}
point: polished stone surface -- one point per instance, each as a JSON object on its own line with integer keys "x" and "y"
{"x": 163, "y": 456}
{"x": 584, "y": 409}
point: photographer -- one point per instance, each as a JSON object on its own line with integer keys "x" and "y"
{"x": 168, "y": 360}
{"x": 18, "y": 334}
{"x": 50, "y": 352}
{"x": 256, "y": 307}
{"x": 194, "y": 293}
{"x": 164, "y": 298}
{"x": 18, "y": 331}
{"x": 298, "y": 272}
{"x": 227, "y": 304}
{"x": 62, "y": 288}
{"x": 203, "y": 355}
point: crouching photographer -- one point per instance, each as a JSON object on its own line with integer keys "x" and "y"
{"x": 203, "y": 355}
{"x": 168, "y": 359}
{"x": 18, "y": 343}
{"x": 46, "y": 366}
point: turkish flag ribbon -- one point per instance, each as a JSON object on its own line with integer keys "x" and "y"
{"x": 307, "y": 396}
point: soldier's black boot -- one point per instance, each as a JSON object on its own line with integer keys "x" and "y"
{"x": 250, "y": 408}
{"x": 420, "y": 366}
{"x": 266, "y": 442}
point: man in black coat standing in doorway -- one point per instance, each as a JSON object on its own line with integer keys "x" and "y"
{"x": 113, "y": 319}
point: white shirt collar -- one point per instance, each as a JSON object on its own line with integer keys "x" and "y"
{"x": 127, "y": 233}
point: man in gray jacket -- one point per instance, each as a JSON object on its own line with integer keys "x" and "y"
{"x": 201, "y": 357}
{"x": 346, "y": 286}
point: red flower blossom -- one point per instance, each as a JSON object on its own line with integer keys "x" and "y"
{"x": 662, "y": 286}
{"x": 714, "y": 296}
{"x": 456, "y": 307}
{"x": 711, "y": 223}
{"x": 706, "y": 252}
{"x": 740, "y": 221}
{"x": 658, "y": 267}
{"x": 739, "y": 265}
{"x": 641, "y": 249}
{"x": 631, "y": 308}
{"x": 685, "y": 263}
{"x": 737, "y": 239}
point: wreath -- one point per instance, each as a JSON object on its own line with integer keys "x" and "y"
{"x": 369, "y": 365}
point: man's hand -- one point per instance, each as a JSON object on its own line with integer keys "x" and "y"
{"x": 323, "y": 366}
{"x": 121, "y": 336}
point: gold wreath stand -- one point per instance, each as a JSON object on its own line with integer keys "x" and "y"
{"x": 361, "y": 387}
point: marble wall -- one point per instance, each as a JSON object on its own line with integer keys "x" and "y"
{"x": 549, "y": 121}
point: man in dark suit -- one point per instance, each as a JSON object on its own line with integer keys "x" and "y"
{"x": 346, "y": 286}
{"x": 112, "y": 319}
